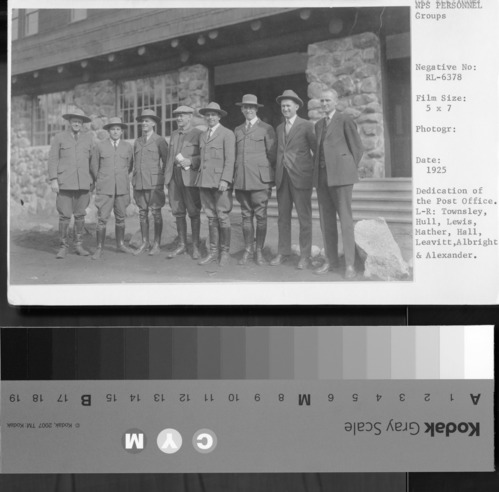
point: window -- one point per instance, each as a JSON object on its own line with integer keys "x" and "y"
{"x": 15, "y": 24}
{"x": 78, "y": 14}
{"x": 157, "y": 93}
{"x": 47, "y": 116}
{"x": 31, "y": 22}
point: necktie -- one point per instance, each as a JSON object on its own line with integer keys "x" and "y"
{"x": 75, "y": 136}
{"x": 209, "y": 133}
{"x": 248, "y": 126}
{"x": 115, "y": 143}
{"x": 288, "y": 126}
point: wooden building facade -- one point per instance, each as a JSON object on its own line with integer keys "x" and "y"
{"x": 117, "y": 62}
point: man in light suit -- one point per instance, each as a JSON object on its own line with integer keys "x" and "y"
{"x": 338, "y": 153}
{"x": 180, "y": 178}
{"x": 216, "y": 171}
{"x": 254, "y": 175}
{"x": 294, "y": 170}
{"x": 111, "y": 164}
{"x": 69, "y": 174}
{"x": 150, "y": 153}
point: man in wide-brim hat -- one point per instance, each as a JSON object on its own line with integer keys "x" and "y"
{"x": 217, "y": 147}
{"x": 294, "y": 169}
{"x": 112, "y": 162}
{"x": 180, "y": 178}
{"x": 69, "y": 174}
{"x": 150, "y": 156}
{"x": 254, "y": 176}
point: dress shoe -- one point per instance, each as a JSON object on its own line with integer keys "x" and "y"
{"x": 350, "y": 273}
{"x": 278, "y": 260}
{"x": 325, "y": 268}
{"x": 303, "y": 263}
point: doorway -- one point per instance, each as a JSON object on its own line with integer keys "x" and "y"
{"x": 266, "y": 91}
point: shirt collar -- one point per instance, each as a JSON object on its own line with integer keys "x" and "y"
{"x": 292, "y": 120}
{"x": 331, "y": 114}
{"x": 253, "y": 121}
{"x": 213, "y": 128}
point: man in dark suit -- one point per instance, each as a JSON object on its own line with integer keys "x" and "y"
{"x": 216, "y": 171}
{"x": 254, "y": 175}
{"x": 294, "y": 170}
{"x": 338, "y": 153}
{"x": 111, "y": 164}
{"x": 180, "y": 178}
{"x": 69, "y": 174}
{"x": 150, "y": 154}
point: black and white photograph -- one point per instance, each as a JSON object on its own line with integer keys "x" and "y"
{"x": 210, "y": 145}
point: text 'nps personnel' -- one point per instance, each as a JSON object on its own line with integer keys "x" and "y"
{"x": 150, "y": 155}
{"x": 111, "y": 164}
{"x": 294, "y": 170}
{"x": 180, "y": 177}
{"x": 254, "y": 175}
{"x": 337, "y": 155}
{"x": 69, "y": 174}
{"x": 214, "y": 179}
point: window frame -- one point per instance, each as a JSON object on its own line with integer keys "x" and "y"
{"x": 130, "y": 105}
{"x": 16, "y": 19}
{"x": 73, "y": 18}
{"x": 27, "y": 14}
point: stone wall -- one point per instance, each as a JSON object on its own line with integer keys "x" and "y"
{"x": 98, "y": 101}
{"x": 194, "y": 89}
{"x": 351, "y": 66}
{"x": 29, "y": 186}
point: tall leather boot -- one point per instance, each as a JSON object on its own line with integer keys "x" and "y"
{"x": 80, "y": 250}
{"x": 101, "y": 237}
{"x": 144, "y": 230}
{"x": 248, "y": 234}
{"x": 213, "y": 252}
{"x": 196, "y": 228}
{"x": 182, "y": 238}
{"x": 120, "y": 239}
{"x": 63, "y": 237}
{"x": 225, "y": 246}
{"x": 158, "y": 230}
{"x": 261, "y": 232}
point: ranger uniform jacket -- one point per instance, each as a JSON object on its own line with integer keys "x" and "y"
{"x": 69, "y": 160}
{"x": 149, "y": 161}
{"x": 217, "y": 158}
{"x": 189, "y": 150}
{"x": 255, "y": 156}
{"x": 111, "y": 166}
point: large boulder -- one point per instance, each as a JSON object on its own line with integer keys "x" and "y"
{"x": 379, "y": 251}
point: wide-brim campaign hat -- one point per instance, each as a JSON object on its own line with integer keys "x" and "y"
{"x": 213, "y": 106}
{"x": 116, "y": 121}
{"x": 289, "y": 94}
{"x": 148, "y": 113}
{"x": 77, "y": 113}
{"x": 184, "y": 110}
{"x": 249, "y": 100}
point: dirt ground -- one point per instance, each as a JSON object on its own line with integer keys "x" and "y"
{"x": 34, "y": 243}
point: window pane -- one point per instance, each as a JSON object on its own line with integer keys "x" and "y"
{"x": 78, "y": 14}
{"x": 157, "y": 93}
{"x": 31, "y": 22}
{"x": 47, "y": 115}
{"x": 15, "y": 29}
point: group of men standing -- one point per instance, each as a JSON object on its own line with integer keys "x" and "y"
{"x": 200, "y": 170}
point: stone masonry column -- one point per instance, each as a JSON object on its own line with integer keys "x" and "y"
{"x": 351, "y": 66}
